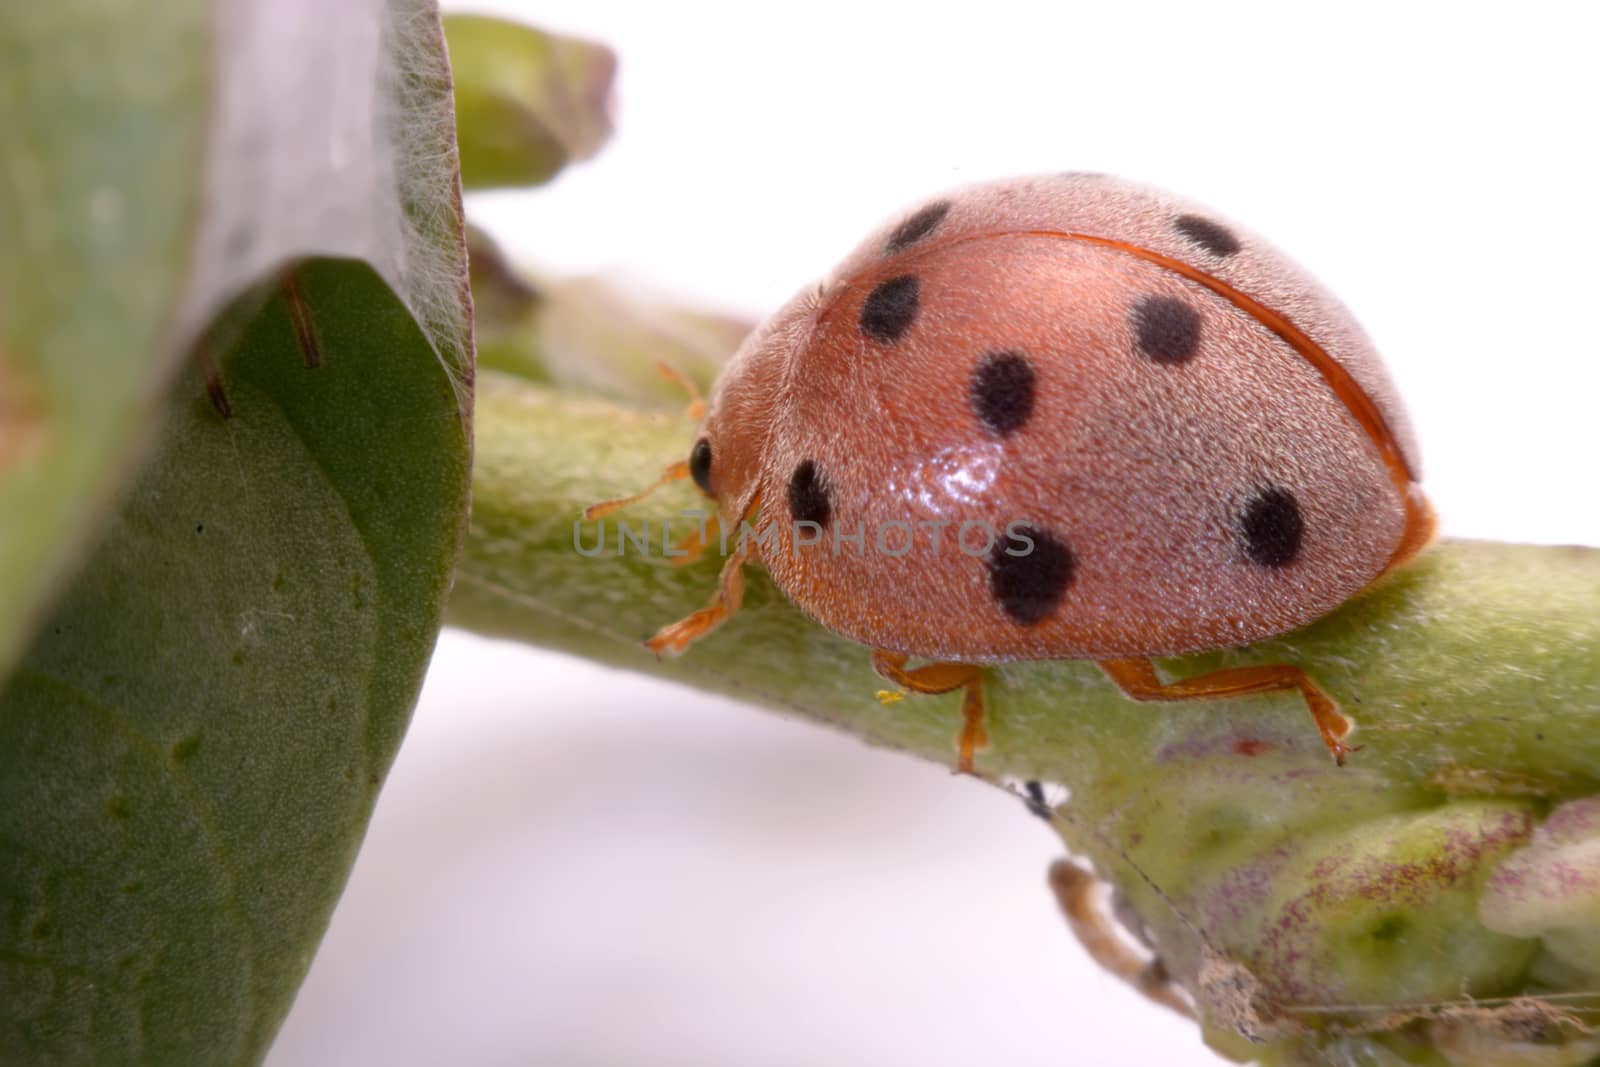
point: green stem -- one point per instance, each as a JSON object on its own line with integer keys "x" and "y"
{"x": 1474, "y": 677}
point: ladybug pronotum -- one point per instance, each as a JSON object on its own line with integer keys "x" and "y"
{"x": 1061, "y": 417}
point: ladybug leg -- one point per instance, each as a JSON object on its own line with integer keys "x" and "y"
{"x": 942, "y": 678}
{"x": 1074, "y": 887}
{"x": 1138, "y": 681}
{"x": 730, "y": 593}
{"x": 694, "y": 546}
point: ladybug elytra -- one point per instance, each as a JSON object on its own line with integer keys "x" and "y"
{"x": 1061, "y": 417}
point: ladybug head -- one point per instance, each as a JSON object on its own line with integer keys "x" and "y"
{"x": 728, "y": 454}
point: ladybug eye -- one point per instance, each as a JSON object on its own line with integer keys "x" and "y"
{"x": 700, "y": 465}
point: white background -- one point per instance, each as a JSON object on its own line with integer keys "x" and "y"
{"x": 576, "y": 866}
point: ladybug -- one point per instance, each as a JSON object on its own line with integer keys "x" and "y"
{"x": 1061, "y": 417}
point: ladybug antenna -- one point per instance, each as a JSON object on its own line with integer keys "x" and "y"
{"x": 697, "y": 403}
{"x": 674, "y": 472}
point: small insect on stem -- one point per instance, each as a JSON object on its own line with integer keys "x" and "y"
{"x": 1042, "y": 361}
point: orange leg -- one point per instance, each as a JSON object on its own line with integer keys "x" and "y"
{"x": 942, "y": 678}
{"x": 1074, "y": 887}
{"x": 694, "y": 546}
{"x": 730, "y": 593}
{"x": 1138, "y": 681}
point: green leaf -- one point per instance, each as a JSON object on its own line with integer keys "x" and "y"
{"x": 527, "y": 102}
{"x": 191, "y": 747}
{"x": 103, "y": 154}
{"x": 1326, "y": 911}
{"x": 160, "y": 162}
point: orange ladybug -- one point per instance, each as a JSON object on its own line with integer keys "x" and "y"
{"x": 1061, "y": 417}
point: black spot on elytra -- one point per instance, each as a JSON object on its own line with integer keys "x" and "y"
{"x": 1165, "y": 328}
{"x": 916, "y": 227}
{"x": 1001, "y": 392}
{"x": 700, "y": 465}
{"x": 1218, "y": 240}
{"x": 1029, "y": 587}
{"x": 891, "y": 308}
{"x": 809, "y": 498}
{"x": 1271, "y": 527}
